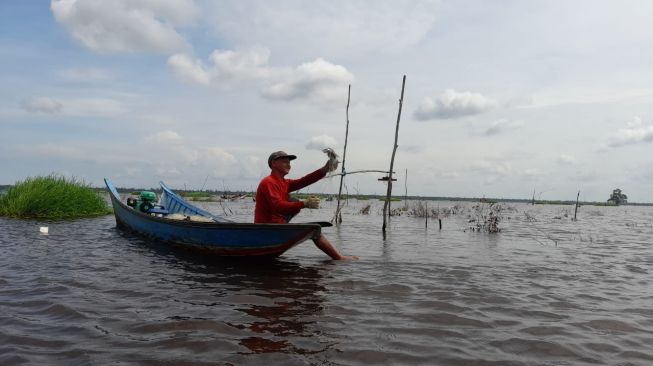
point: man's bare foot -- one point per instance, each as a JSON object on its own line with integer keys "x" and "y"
{"x": 348, "y": 257}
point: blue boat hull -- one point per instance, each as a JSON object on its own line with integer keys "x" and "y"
{"x": 218, "y": 238}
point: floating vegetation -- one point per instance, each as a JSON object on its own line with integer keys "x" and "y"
{"x": 365, "y": 210}
{"x": 52, "y": 197}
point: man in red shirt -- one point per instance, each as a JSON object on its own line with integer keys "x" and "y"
{"x": 273, "y": 203}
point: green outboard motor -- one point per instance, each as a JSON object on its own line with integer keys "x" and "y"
{"x": 144, "y": 202}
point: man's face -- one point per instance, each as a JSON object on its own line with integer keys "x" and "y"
{"x": 281, "y": 165}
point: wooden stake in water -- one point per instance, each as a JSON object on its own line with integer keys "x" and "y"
{"x": 337, "y": 218}
{"x": 576, "y": 209}
{"x": 386, "y": 205}
{"x": 426, "y": 208}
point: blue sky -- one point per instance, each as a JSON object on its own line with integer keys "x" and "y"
{"x": 503, "y": 98}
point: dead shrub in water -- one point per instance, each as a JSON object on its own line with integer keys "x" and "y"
{"x": 448, "y": 211}
{"x": 486, "y": 217}
{"x": 529, "y": 216}
{"x": 365, "y": 210}
{"x": 421, "y": 209}
{"x": 396, "y": 211}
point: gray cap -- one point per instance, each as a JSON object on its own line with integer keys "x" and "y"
{"x": 278, "y": 155}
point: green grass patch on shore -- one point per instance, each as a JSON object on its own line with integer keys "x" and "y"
{"x": 392, "y": 199}
{"x": 197, "y": 196}
{"x": 52, "y": 197}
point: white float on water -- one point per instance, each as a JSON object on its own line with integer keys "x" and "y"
{"x": 43, "y": 229}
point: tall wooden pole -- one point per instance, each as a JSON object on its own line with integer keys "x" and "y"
{"x": 406, "y": 189}
{"x": 386, "y": 205}
{"x": 337, "y": 218}
{"x": 533, "y": 201}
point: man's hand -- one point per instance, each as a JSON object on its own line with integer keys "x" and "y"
{"x": 330, "y": 166}
{"x": 332, "y": 163}
{"x": 312, "y": 202}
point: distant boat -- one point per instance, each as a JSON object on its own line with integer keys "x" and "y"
{"x": 233, "y": 197}
{"x": 202, "y": 231}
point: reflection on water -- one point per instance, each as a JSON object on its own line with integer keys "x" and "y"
{"x": 280, "y": 298}
{"x": 294, "y": 292}
{"x": 545, "y": 290}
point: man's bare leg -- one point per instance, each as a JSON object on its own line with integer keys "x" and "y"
{"x": 325, "y": 245}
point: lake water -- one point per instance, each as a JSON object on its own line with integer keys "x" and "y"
{"x": 546, "y": 290}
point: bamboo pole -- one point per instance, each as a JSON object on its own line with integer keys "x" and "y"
{"x": 337, "y": 218}
{"x": 356, "y": 172}
{"x": 386, "y": 205}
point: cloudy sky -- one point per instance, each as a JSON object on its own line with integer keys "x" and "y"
{"x": 503, "y": 98}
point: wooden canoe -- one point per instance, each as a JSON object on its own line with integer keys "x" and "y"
{"x": 220, "y": 237}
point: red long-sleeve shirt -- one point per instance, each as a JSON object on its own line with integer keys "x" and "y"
{"x": 272, "y": 194}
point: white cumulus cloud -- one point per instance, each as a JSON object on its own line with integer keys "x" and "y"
{"x": 453, "y": 104}
{"x": 224, "y": 66}
{"x": 321, "y": 142}
{"x": 126, "y": 25}
{"x": 634, "y": 133}
{"x": 317, "y": 80}
{"x": 248, "y": 64}
{"x": 189, "y": 70}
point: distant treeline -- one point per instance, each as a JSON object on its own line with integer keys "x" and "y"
{"x": 206, "y": 192}
{"x": 374, "y": 196}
